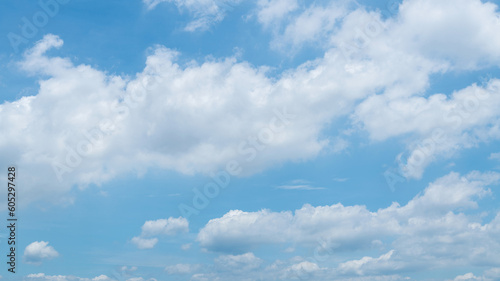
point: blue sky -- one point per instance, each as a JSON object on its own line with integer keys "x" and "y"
{"x": 252, "y": 140}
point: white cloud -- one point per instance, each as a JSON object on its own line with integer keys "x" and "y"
{"x": 461, "y": 35}
{"x": 368, "y": 265}
{"x": 429, "y": 225}
{"x": 304, "y": 270}
{"x": 128, "y": 269}
{"x": 272, "y": 11}
{"x": 441, "y": 125}
{"x": 467, "y": 277}
{"x": 452, "y": 192}
{"x": 39, "y": 251}
{"x": 474, "y": 22}
{"x": 300, "y": 187}
{"x": 495, "y": 156}
{"x": 238, "y": 230}
{"x": 181, "y": 268}
{"x": 170, "y": 226}
{"x": 340, "y": 179}
{"x": 204, "y": 12}
{"x": 313, "y": 25}
{"x": 298, "y": 269}
{"x": 102, "y": 278}
{"x": 305, "y": 266}
{"x": 44, "y": 277}
{"x": 144, "y": 243}
{"x": 235, "y": 263}
{"x": 151, "y": 4}
{"x": 492, "y": 273}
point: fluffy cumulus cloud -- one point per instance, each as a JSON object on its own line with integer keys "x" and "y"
{"x": 144, "y": 243}
{"x": 80, "y": 125}
{"x": 302, "y": 270}
{"x": 431, "y": 229}
{"x": 39, "y": 251}
{"x": 432, "y": 23}
{"x": 170, "y": 226}
{"x": 440, "y": 125}
{"x": 86, "y": 126}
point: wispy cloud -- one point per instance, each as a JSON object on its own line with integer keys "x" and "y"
{"x": 495, "y": 156}
{"x": 300, "y": 187}
{"x": 300, "y": 184}
{"x": 300, "y": 181}
{"x": 204, "y": 13}
{"x": 340, "y": 179}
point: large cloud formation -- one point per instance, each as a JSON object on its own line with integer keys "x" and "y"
{"x": 86, "y": 126}
{"x": 436, "y": 229}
